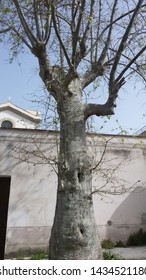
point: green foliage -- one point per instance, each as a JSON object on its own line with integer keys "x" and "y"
{"x": 107, "y": 244}
{"x": 39, "y": 256}
{"x": 109, "y": 256}
{"x": 7, "y": 10}
{"x": 137, "y": 239}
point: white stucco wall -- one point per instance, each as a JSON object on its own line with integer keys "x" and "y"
{"x": 33, "y": 185}
{"x": 121, "y": 172}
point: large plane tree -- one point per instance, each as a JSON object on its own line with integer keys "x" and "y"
{"x": 76, "y": 43}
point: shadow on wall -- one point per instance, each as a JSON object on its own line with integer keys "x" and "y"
{"x": 129, "y": 217}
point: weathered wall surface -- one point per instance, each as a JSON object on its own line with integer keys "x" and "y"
{"x": 120, "y": 180}
{"x": 119, "y": 185}
{"x": 25, "y": 157}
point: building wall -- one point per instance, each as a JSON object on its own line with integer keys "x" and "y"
{"x": 122, "y": 172}
{"x": 26, "y": 156}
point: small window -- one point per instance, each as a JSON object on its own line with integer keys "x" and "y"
{"x": 7, "y": 124}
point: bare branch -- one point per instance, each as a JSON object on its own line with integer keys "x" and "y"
{"x": 108, "y": 26}
{"x": 97, "y": 69}
{"x": 119, "y": 190}
{"x": 5, "y": 30}
{"x": 48, "y": 23}
{"x": 12, "y": 28}
{"x": 28, "y": 31}
{"x": 98, "y": 29}
{"x": 130, "y": 63}
{"x": 103, "y": 153}
{"x": 105, "y": 49}
{"x": 81, "y": 53}
{"x": 58, "y": 36}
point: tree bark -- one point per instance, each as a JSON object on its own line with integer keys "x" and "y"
{"x": 73, "y": 233}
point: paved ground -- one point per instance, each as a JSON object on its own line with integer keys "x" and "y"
{"x": 130, "y": 253}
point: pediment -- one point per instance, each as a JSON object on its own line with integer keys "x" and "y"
{"x": 33, "y": 116}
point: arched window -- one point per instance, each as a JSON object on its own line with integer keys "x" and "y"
{"x": 7, "y": 124}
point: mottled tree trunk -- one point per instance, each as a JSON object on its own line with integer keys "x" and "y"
{"x": 74, "y": 233}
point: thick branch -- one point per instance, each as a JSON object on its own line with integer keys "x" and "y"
{"x": 124, "y": 40}
{"x": 27, "y": 30}
{"x": 98, "y": 29}
{"x": 37, "y": 19}
{"x": 75, "y": 7}
{"x": 96, "y": 70}
{"x": 107, "y": 108}
{"x": 114, "y": 87}
{"x": 75, "y": 35}
{"x": 97, "y": 110}
{"x": 46, "y": 70}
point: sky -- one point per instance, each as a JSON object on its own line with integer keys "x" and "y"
{"x": 20, "y": 80}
